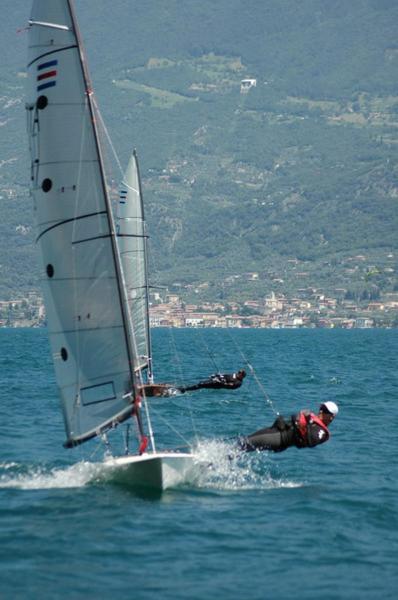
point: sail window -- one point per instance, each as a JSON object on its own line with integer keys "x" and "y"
{"x": 94, "y": 394}
{"x": 50, "y": 270}
{"x": 46, "y": 185}
{"x": 64, "y": 354}
{"x": 42, "y": 102}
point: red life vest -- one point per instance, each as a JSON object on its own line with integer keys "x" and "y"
{"x": 304, "y": 420}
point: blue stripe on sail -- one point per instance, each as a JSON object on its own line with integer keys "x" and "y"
{"x": 43, "y": 86}
{"x": 50, "y": 63}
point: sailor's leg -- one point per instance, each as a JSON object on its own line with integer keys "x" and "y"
{"x": 267, "y": 439}
{"x": 264, "y": 439}
{"x": 203, "y": 385}
{"x": 212, "y": 385}
{"x": 189, "y": 388}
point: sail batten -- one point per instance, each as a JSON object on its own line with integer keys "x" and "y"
{"x": 92, "y": 239}
{"x": 48, "y": 53}
{"x": 86, "y": 305}
{"x": 53, "y": 25}
{"x": 82, "y": 330}
{"x": 52, "y": 162}
{"x": 65, "y": 221}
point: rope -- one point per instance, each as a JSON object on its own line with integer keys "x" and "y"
{"x": 177, "y": 362}
{"x": 248, "y": 365}
{"x": 179, "y": 367}
{"x": 126, "y": 439}
{"x": 168, "y": 424}
{"x": 252, "y": 371}
{"x": 134, "y": 341}
{"x": 216, "y": 367}
{"x": 108, "y": 137}
{"x": 96, "y": 449}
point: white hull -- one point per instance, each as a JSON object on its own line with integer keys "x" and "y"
{"x": 158, "y": 471}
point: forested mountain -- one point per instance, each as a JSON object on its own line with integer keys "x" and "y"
{"x": 295, "y": 180}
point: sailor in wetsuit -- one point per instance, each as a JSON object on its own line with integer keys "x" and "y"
{"x": 229, "y": 381}
{"x": 303, "y": 430}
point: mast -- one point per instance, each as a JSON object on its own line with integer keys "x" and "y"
{"x": 116, "y": 257}
{"x": 150, "y": 363}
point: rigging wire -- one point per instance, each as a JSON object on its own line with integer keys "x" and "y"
{"x": 171, "y": 333}
{"x": 168, "y": 424}
{"x": 179, "y": 374}
{"x": 211, "y": 356}
{"x": 252, "y": 371}
{"x": 108, "y": 137}
{"x": 134, "y": 340}
{"x": 246, "y": 362}
{"x": 177, "y": 355}
{"x": 96, "y": 449}
{"x": 249, "y": 366}
{"x": 177, "y": 362}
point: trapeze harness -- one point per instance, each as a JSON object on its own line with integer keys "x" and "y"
{"x": 304, "y": 430}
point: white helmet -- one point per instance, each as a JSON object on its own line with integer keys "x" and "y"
{"x": 331, "y": 407}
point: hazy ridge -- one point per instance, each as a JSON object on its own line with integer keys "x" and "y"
{"x": 293, "y": 180}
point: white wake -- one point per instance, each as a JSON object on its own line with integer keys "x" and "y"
{"x": 40, "y": 478}
{"x": 218, "y": 466}
{"x": 222, "y": 466}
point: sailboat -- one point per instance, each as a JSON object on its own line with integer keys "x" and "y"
{"x": 91, "y": 313}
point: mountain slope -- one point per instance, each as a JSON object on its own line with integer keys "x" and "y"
{"x": 292, "y": 180}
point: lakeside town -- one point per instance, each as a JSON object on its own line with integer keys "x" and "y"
{"x": 309, "y": 308}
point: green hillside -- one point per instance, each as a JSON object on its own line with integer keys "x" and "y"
{"x": 295, "y": 180}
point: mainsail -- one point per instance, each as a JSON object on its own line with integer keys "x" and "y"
{"x": 132, "y": 240}
{"x": 87, "y": 312}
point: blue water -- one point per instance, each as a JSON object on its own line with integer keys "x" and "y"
{"x": 314, "y": 523}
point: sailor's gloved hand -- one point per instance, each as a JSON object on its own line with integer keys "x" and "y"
{"x": 280, "y": 423}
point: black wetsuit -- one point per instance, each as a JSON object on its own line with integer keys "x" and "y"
{"x": 216, "y": 382}
{"x": 303, "y": 430}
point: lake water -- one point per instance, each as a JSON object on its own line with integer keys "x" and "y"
{"x": 312, "y": 523}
